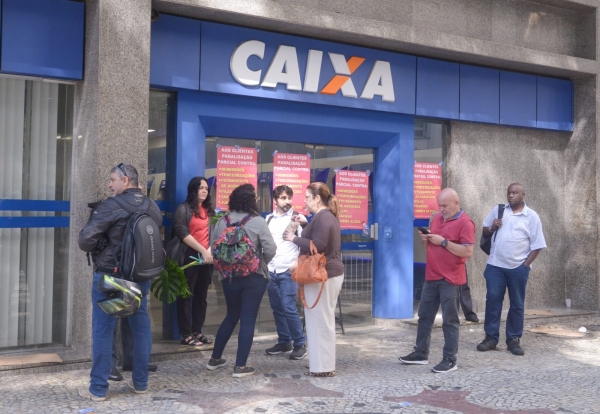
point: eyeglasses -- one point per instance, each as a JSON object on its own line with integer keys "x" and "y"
{"x": 122, "y": 168}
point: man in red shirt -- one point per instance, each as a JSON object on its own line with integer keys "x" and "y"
{"x": 448, "y": 245}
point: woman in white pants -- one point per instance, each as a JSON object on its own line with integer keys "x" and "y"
{"x": 324, "y": 232}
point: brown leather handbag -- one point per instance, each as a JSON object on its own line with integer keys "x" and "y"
{"x": 310, "y": 269}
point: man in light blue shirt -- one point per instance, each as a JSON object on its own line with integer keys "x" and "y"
{"x": 517, "y": 243}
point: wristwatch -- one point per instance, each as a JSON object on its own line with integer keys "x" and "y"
{"x": 444, "y": 243}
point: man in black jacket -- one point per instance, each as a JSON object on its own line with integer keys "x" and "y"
{"x": 103, "y": 235}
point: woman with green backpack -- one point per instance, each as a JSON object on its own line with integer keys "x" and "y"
{"x": 238, "y": 240}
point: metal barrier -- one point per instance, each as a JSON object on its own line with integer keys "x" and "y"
{"x": 358, "y": 282}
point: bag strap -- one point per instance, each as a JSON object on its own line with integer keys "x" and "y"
{"x": 227, "y": 220}
{"x": 304, "y": 298}
{"x": 500, "y": 214}
{"x": 313, "y": 249}
{"x": 246, "y": 220}
{"x": 269, "y": 219}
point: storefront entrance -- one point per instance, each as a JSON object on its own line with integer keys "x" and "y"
{"x": 357, "y": 245}
{"x": 379, "y": 264}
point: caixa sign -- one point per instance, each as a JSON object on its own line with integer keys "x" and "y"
{"x": 284, "y": 69}
{"x": 249, "y": 62}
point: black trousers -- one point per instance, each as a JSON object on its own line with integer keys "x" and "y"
{"x": 465, "y": 301}
{"x": 191, "y": 312}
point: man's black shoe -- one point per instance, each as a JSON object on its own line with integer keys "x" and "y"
{"x": 487, "y": 344}
{"x": 151, "y": 368}
{"x": 280, "y": 349}
{"x": 474, "y": 319}
{"x": 445, "y": 366}
{"x": 414, "y": 358}
{"x": 115, "y": 375}
{"x": 514, "y": 346}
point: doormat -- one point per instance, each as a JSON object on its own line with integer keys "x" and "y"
{"x": 555, "y": 331}
{"x": 29, "y": 359}
{"x": 539, "y": 312}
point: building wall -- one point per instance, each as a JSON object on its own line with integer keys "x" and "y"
{"x": 482, "y": 160}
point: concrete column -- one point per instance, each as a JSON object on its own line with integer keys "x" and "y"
{"x": 581, "y": 200}
{"x": 111, "y": 127}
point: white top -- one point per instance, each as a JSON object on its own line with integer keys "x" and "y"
{"x": 520, "y": 234}
{"x": 287, "y": 252}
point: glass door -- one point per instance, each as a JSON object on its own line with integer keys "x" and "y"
{"x": 357, "y": 245}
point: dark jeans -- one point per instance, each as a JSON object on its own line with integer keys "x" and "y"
{"x": 282, "y": 296}
{"x": 126, "y": 343}
{"x": 191, "y": 312}
{"x": 103, "y": 328}
{"x": 435, "y": 293}
{"x": 243, "y": 296}
{"x": 497, "y": 280}
{"x": 465, "y": 301}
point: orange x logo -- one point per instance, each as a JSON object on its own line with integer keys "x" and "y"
{"x": 342, "y": 81}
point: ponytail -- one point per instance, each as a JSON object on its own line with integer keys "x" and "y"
{"x": 333, "y": 205}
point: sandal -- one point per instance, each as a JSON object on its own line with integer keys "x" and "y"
{"x": 320, "y": 374}
{"x": 190, "y": 341}
{"x": 202, "y": 339}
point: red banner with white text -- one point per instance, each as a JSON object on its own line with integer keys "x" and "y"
{"x": 352, "y": 191}
{"x": 235, "y": 166}
{"x": 292, "y": 170}
{"x": 428, "y": 184}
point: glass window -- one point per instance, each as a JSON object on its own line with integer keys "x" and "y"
{"x": 159, "y": 184}
{"x": 36, "y": 136}
{"x": 430, "y": 139}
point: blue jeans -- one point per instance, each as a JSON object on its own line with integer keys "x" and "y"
{"x": 282, "y": 296}
{"x": 435, "y": 293}
{"x": 103, "y": 327}
{"x": 497, "y": 280}
{"x": 243, "y": 296}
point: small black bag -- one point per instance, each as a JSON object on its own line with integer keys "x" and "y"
{"x": 486, "y": 242}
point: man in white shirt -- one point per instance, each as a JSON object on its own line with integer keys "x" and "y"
{"x": 518, "y": 241}
{"x": 282, "y": 289}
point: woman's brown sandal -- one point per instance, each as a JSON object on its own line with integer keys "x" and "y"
{"x": 320, "y": 374}
{"x": 190, "y": 341}
{"x": 202, "y": 339}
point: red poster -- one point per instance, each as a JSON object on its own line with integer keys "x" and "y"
{"x": 428, "y": 184}
{"x": 292, "y": 170}
{"x": 235, "y": 166}
{"x": 352, "y": 191}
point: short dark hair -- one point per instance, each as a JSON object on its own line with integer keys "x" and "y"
{"x": 280, "y": 189}
{"x": 126, "y": 170}
{"x": 243, "y": 199}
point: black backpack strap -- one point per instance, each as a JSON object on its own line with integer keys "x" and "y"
{"x": 500, "y": 214}
{"x": 269, "y": 218}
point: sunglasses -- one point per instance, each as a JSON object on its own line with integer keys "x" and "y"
{"x": 122, "y": 168}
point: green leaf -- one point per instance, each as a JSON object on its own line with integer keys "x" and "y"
{"x": 170, "y": 284}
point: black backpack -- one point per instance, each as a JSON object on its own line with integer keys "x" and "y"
{"x": 486, "y": 242}
{"x": 142, "y": 253}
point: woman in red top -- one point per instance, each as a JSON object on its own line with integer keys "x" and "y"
{"x": 192, "y": 227}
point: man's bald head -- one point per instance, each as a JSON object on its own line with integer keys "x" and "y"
{"x": 515, "y": 195}
{"x": 449, "y": 203}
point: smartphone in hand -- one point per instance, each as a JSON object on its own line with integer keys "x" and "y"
{"x": 424, "y": 230}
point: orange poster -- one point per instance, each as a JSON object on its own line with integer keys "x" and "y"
{"x": 235, "y": 166}
{"x": 428, "y": 184}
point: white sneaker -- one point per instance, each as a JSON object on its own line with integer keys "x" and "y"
{"x": 85, "y": 393}
{"x": 130, "y": 383}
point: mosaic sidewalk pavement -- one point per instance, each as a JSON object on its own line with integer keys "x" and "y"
{"x": 556, "y": 375}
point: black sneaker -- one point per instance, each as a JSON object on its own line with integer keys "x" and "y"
{"x": 280, "y": 349}
{"x": 514, "y": 346}
{"x": 115, "y": 375}
{"x": 299, "y": 352}
{"x": 445, "y": 366}
{"x": 474, "y": 319}
{"x": 214, "y": 364}
{"x": 416, "y": 358}
{"x": 239, "y": 372}
{"x": 488, "y": 344}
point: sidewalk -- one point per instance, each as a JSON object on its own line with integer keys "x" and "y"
{"x": 556, "y": 375}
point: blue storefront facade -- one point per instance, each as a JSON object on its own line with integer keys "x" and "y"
{"x": 229, "y": 82}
